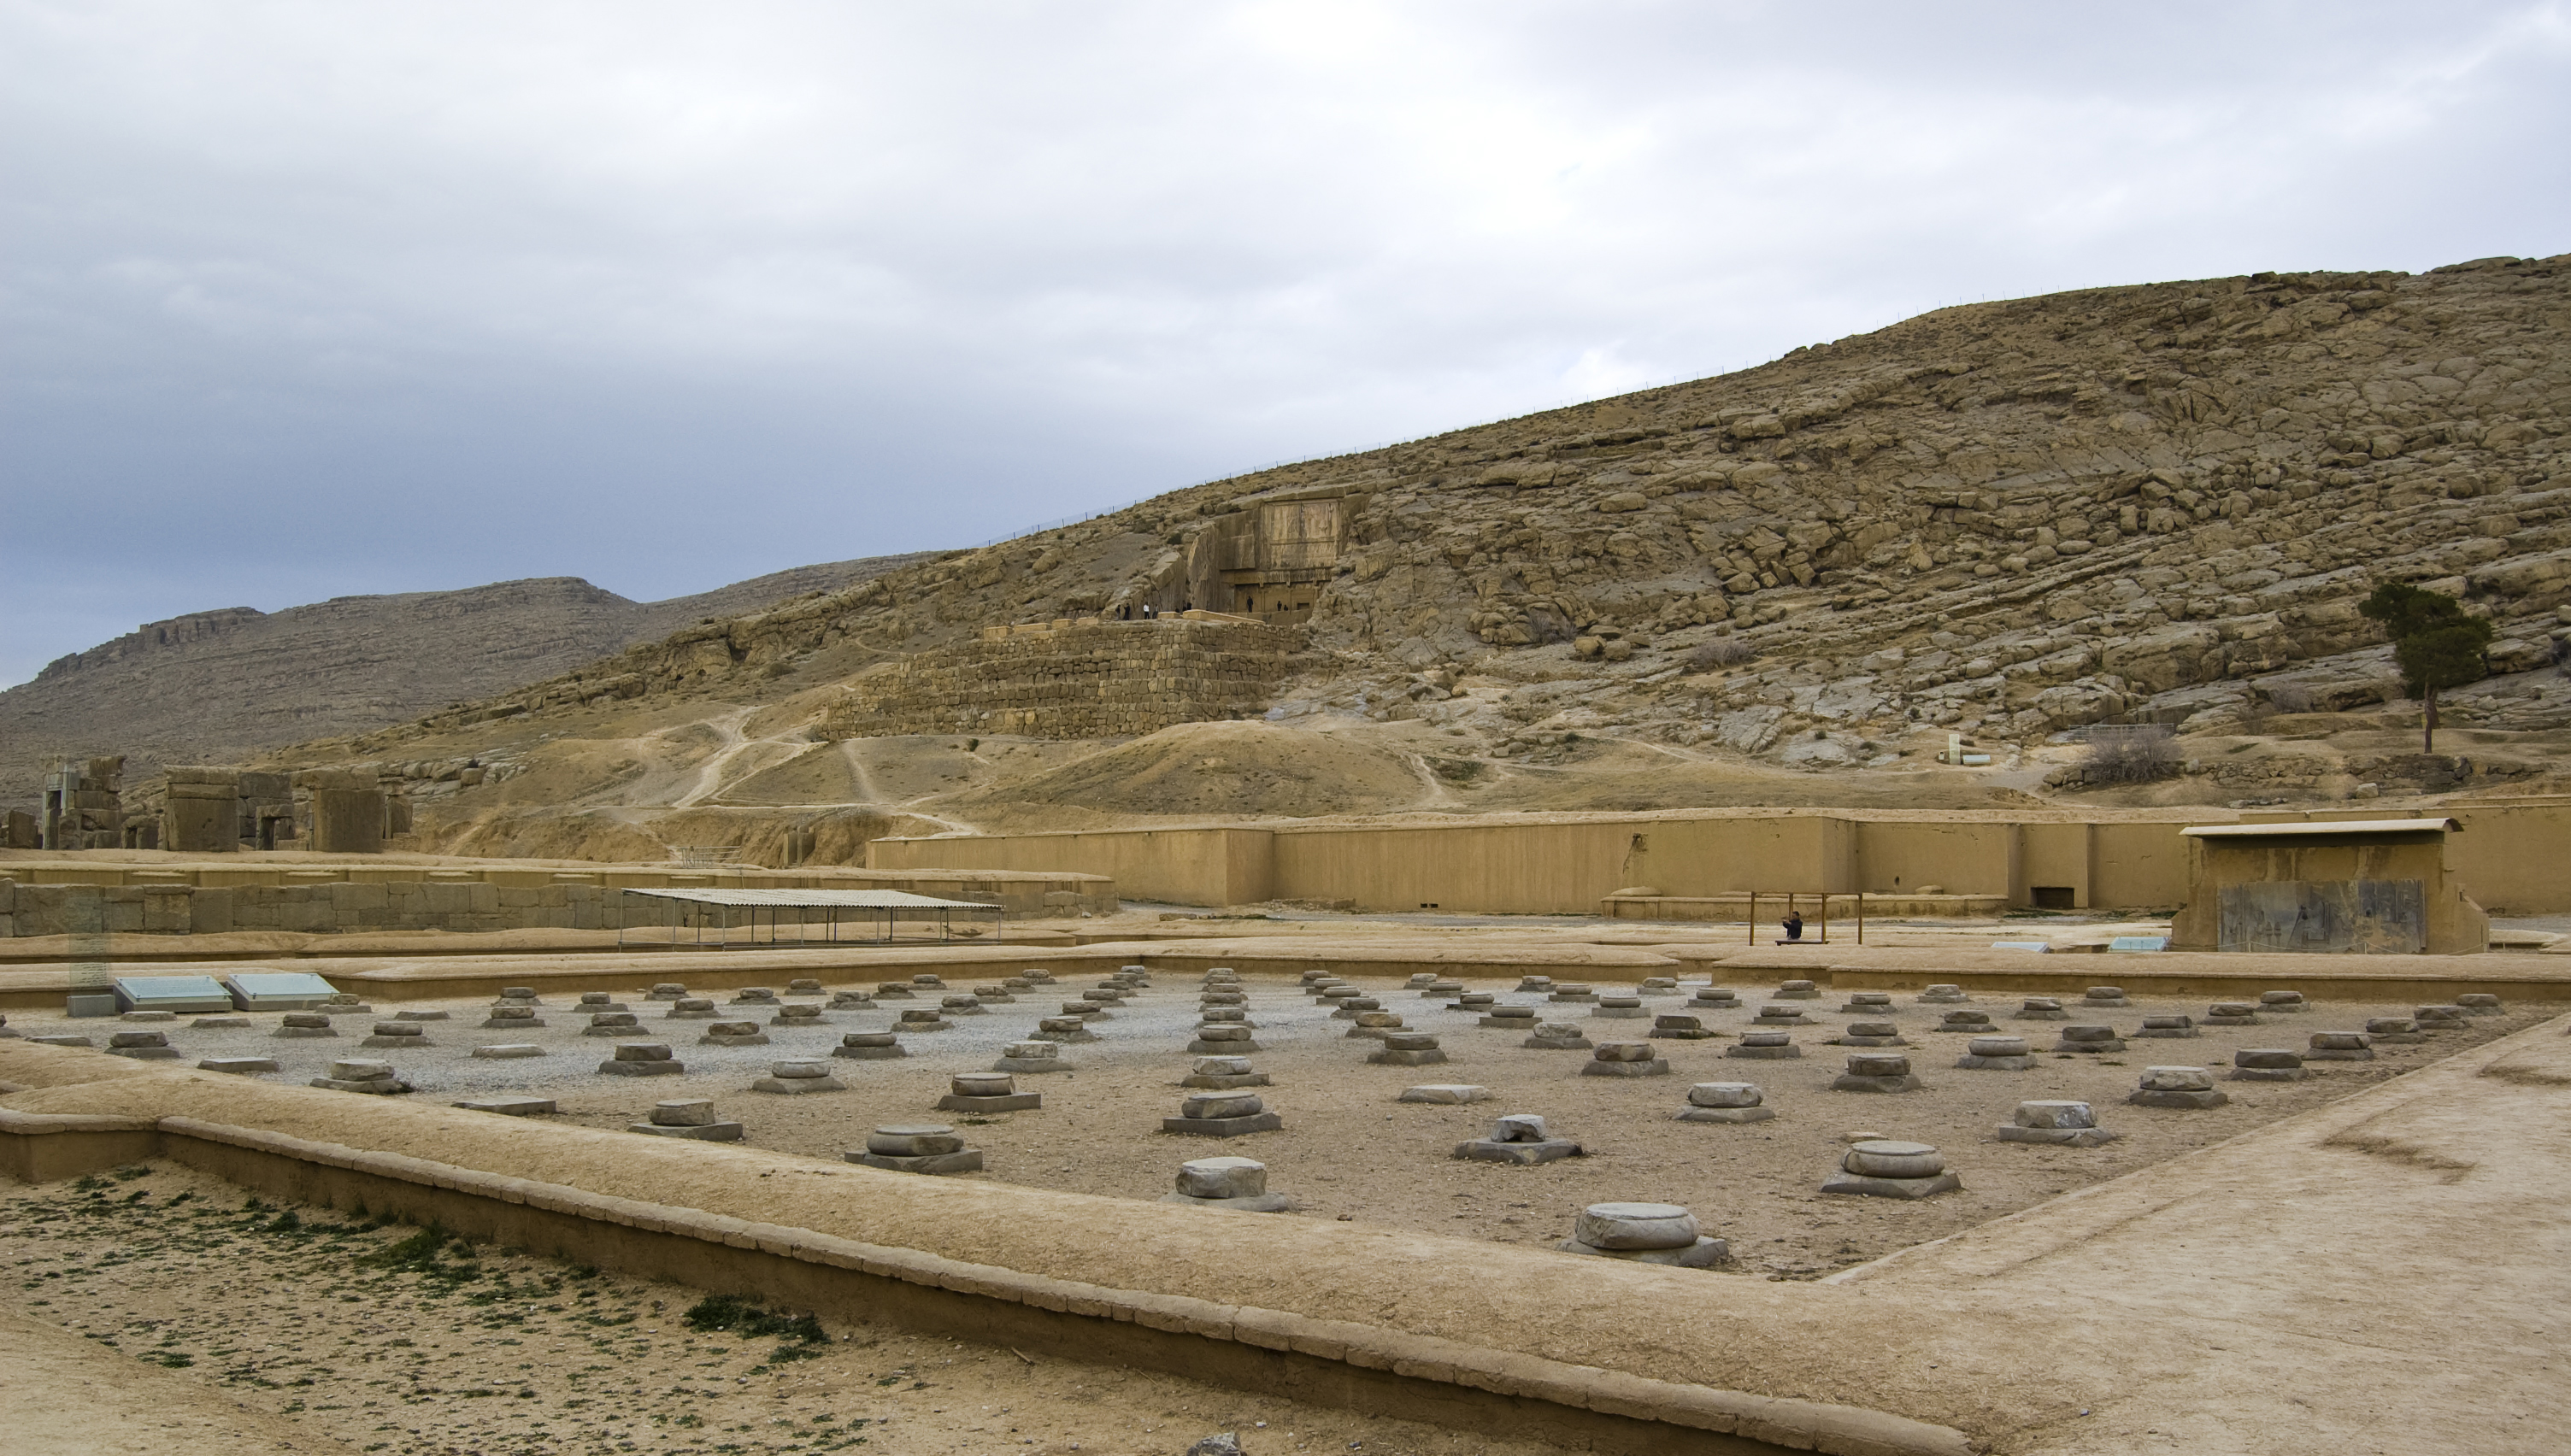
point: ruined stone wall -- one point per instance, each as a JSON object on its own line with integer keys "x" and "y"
{"x": 40, "y": 899}
{"x": 1087, "y": 678}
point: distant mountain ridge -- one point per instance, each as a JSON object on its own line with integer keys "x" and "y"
{"x": 217, "y": 683}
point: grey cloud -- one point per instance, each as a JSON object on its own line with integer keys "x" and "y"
{"x": 305, "y": 300}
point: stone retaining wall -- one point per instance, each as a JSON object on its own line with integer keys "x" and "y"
{"x": 569, "y": 902}
{"x": 1080, "y": 679}
{"x": 1375, "y": 1369}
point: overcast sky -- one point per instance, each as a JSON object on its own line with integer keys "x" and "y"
{"x": 308, "y": 300}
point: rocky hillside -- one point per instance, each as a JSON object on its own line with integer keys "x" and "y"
{"x": 217, "y": 684}
{"x": 2154, "y": 502}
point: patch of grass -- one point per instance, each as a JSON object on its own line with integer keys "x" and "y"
{"x": 417, "y": 1255}
{"x": 800, "y": 1336}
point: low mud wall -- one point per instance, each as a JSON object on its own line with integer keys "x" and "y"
{"x": 43, "y": 898}
{"x": 1356, "y": 1365}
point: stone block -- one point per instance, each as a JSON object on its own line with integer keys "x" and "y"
{"x": 238, "y": 1065}
{"x": 1636, "y": 1225}
{"x": 2177, "y": 1078}
{"x": 2268, "y": 1064}
{"x": 141, "y": 1046}
{"x": 792, "y": 1078}
{"x": 1996, "y": 1054}
{"x": 1031, "y": 1056}
{"x": 512, "y": 1106}
{"x": 1521, "y": 1154}
{"x": 359, "y": 1074}
{"x": 1221, "y": 1114}
{"x": 1891, "y": 1169}
{"x": 1444, "y": 1094}
{"x": 2177, "y": 1098}
{"x": 1263, "y": 1121}
{"x": 643, "y": 1059}
{"x": 508, "y": 1050}
{"x": 870, "y": 1046}
{"x": 1222, "y": 1178}
{"x": 2341, "y": 1046}
{"x": 1422, "y": 1057}
{"x": 2062, "y": 1124}
{"x": 987, "y": 1092}
{"x": 1765, "y": 1046}
{"x": 913, "y": 1140}
{"x": 1652, "y": 1068}
{"x": 1221, "y": 1072}
{"x": 1726, "y": 1102}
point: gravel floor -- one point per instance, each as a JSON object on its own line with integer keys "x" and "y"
{"x": 473, "y": 1351}
{"x": 1348, "y": 1150}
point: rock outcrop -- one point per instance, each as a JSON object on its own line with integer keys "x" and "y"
{"x": 211, "y": 685}
{"x": 2152, "y": 503}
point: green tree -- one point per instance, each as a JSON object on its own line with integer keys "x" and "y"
{"x": 2437, "y": 643}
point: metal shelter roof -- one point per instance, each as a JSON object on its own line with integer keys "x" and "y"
{"x": 815, "y": 899}
{"x": 2323, "y": 827}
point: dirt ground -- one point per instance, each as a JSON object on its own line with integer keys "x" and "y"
{"x": 1348, "y": 1150}
{"x": 387, "y": 1342}
{"x": 357, "y": 1331}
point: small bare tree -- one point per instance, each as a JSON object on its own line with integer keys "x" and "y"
{"x": 2131, "y": 755}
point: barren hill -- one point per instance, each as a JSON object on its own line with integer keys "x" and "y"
{"x": 215, "y": 685}
{"x": 2007, "y": 520}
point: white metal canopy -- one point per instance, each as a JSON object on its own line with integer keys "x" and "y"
{"x": 2325, "y": 827}
{"x": 784, "y": 906}
{"x": 815, "y": 899}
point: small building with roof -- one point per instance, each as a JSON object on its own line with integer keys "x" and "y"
{"x": 2362, "y": 887}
